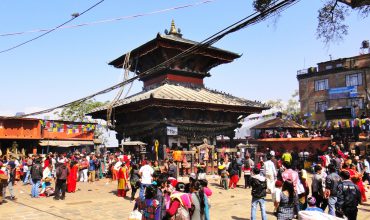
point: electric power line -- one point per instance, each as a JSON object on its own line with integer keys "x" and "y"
{"x": 51, "y": 30}
{"x": 111, "y": 19}
{"x": 243, "y": 23}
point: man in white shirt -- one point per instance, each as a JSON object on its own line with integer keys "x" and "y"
{"x": 270, "y": 173}
{"x": 146, "y": 173}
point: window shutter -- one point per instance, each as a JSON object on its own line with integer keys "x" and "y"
{"x": 359, "y": 79}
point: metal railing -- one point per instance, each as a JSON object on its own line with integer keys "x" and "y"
{"x": 302, "y": 71}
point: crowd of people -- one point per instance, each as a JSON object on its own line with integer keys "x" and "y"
{"x": 41, "y": 170}
{"x": 161, "y": 196}
{"x": 294, "y": 134}
{"x": 337, "y": 184}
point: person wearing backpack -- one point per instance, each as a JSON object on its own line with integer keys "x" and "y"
{"x": 259, "y": 186}
{"x": 36, "y": 175}
{"x": 61, "y": 174}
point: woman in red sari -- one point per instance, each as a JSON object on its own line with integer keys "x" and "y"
{"x": 72, "y": 177}
{"x": 357, "y": 179}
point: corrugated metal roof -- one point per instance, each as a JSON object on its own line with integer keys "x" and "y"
{"x": 133, "y": 143}
{"x": 182, "y": 93}
{"x": 65, "y": 143}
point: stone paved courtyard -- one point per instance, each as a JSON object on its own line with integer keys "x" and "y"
{"x": 98, "y": 201}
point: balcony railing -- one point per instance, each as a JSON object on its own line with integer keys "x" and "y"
{"x": 302, "y": 71}
{"x": 306, "y": 71}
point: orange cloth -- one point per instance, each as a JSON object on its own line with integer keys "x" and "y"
{"x": 177, "y": 156}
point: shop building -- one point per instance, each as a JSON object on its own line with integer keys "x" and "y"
{"x": 31, "y": 135}
{"x": 335, "y": 89}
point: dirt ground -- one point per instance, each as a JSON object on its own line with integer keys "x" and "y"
{"x": 98, "y": 201}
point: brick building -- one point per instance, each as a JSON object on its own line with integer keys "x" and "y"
{"x": 335, "y": 89}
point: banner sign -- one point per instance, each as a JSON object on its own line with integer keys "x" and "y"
{"x": 172, "y": 130}
{"x": 69, "y": 128}
{"x": 343, "y": 92}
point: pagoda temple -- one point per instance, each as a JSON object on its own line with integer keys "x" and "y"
{"x": 174, "y": 106}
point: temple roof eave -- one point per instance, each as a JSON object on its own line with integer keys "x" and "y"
{"x": 144, "y": 104}
{"x": 181, "y": 95}
{"x": 155, "y": 43}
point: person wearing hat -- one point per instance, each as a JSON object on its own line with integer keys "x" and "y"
{"x": 276, "y": 194}
{"x": 192, "y": 178}
{"x": 312, "y": 205}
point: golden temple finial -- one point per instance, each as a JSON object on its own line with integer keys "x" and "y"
{"x": 173, "y": 31}
{"x": 173, "y": 28}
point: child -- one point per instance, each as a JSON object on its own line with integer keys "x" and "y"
{"x": 312, "y": 205}
{"x": 224, "y": 178}
{"x": 276, "y": 194}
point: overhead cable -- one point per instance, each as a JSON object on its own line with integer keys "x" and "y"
{"x": 51, "y": 30}
{"x": 243, "y": 23}
{"x": 111, "y": 19}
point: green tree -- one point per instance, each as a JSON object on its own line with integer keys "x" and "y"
{"x": 331, "y": 17}
{"x": 290, "y": 108}
{"x": 293, "y": 106}
{"x": 277, "y": 104}
{"x": 78, "y": 111}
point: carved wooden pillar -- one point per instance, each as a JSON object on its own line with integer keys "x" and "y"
{"x": 212, "y": 160}
{"x": 192, "y": 163}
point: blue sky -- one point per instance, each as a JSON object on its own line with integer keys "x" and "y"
{"x": 71, "y": 63}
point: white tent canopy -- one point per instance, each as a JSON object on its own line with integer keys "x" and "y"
{"x": 133, "y": 143}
